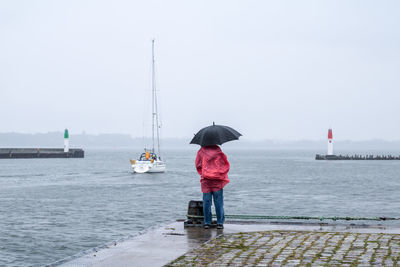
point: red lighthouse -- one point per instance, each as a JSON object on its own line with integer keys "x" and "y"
{"x": 330, "y": 142}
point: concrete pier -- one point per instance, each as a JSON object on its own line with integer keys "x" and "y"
{"x": 30, "y": 153}
{"x": 249, "y": 244}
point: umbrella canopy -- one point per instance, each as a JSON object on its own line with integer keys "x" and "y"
{"x": 215, "y": 135}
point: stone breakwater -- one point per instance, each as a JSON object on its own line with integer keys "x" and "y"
{"x": 296, "y": 248}
{"x": 356, "y": 157}
{"x": 44, "y": 153}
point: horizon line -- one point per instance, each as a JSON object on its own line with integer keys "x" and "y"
{"x": 187, "y": 137}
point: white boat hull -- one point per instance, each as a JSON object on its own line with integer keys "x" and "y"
{"x": 148, "y": 166}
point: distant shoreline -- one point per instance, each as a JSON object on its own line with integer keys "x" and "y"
{"x": 119, "y": 141}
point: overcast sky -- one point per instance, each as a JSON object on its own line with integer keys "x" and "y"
{"x": 282, "y": 70}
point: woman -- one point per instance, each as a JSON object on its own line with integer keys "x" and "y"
{"x": 213, "y": 167}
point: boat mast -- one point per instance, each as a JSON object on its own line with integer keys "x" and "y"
{"x": 154, "y": 104}
{"x": 153, "y": 90}
{"x": 157, "y": 125}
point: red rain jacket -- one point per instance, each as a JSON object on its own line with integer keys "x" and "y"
{"x": 213, "y": 167}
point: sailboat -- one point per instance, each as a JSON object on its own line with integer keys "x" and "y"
{"x": 150, "y": 160}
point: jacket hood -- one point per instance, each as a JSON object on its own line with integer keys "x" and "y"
{"x": 211, "y": 150}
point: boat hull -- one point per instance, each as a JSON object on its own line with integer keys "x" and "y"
{"x": 148, "y": 167}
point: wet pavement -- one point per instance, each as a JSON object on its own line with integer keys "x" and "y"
{"x": 296, "y": 248}
{"x": 252, "y": 243}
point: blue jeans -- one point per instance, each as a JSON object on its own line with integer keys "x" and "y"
{"x": 219, "y": 206}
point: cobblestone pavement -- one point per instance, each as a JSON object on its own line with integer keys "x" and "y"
{"x": 296, "y": 248}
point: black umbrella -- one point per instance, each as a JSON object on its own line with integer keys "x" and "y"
{"x": 215, "y": 135}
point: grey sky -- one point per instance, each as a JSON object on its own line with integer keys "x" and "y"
{"x": 270, "y": 69}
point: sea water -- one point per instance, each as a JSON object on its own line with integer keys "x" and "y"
{"x": 54, "y": 208}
